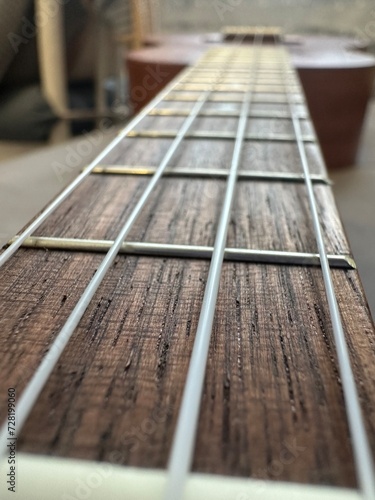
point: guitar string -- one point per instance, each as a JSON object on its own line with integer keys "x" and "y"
{"x": 360, "y": 443}
{"x": 34, "y": 387}
{"x": 13, "y": 247}
{"x": 185, "y": 433}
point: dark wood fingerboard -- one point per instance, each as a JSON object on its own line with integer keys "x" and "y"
{"x": 273, "y": 405}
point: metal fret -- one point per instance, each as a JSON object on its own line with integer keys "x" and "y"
{"x": 242, "y": 67}
{"x": 210, "y": 173}
{"x": 242, "y": 71}
{"x": 275, "y": 115}
{"x": 266, "y": 82}
{"x": 188, "y": 251}
{"x": 184, "y": 97}
{"x": 233, "y": 87}
{"x": 209, "y": 135}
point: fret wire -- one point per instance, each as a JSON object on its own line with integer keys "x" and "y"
{"x": 201, "y": 80}
{"x": 234, "y": 91}
{"x": 234, "y": 76}
{"x": 206, "y": 66}
{"x": 31, "y": 393}
{"x": 233, "y": 87}
{"x": 184, "y": 437}
{"x": 190, "y": 98}
{"x": 267, "y": 76}
{"x": 240, "y": 61}
{"x": 203, "y": 68}
{"x": 242, "y": 71}
{"x": 189, "y": 251}
{"x": 78, "y": 180}
{"x": 275, "y": 115}
{"x": 362, "y": 451}
{"x": 207, "y": 134}
{"x": 242, "y": 76}
{"x": 228, "y": 82}
{"x": 175, "y": 171}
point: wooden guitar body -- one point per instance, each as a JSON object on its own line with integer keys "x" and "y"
{"x": 336, "y": 74}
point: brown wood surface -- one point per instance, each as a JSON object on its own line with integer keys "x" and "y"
{"x": 272, "y": 405}
{"x": 271, "y": 385}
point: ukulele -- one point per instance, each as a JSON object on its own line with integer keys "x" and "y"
{"x": 185, "y": 320}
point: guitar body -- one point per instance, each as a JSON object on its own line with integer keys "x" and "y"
{"x": 336, "y": 74}
{"x": 185, "y": 321}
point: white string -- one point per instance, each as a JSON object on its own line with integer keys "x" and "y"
{"x": 361, "y": 447}
{"x": 184, "y": 439}
{"x": 40, "y": 377}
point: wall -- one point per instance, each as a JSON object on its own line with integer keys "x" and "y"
{"x": 338, "y": 16}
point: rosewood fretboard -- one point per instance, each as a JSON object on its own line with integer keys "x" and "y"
{"x": 226, "y": 144}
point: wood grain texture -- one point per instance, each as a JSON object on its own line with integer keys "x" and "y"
{"x": 272, "y": 406}
{"x": 266, "y": 215}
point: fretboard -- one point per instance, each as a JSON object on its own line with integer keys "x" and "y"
{"x": 188, "y": 309}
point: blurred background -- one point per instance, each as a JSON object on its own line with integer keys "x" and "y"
{"x": 324, "y": 16}
{"x": 65, "y": 89}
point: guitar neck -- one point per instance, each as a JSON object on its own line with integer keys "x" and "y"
{"x": 222, "y": 346}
